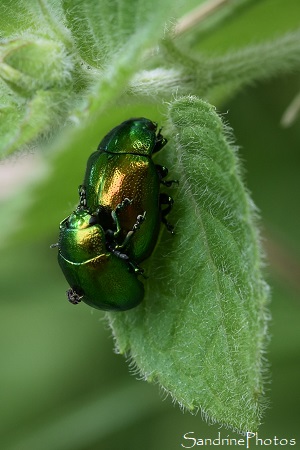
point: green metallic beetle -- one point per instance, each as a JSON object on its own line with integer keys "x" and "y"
{"x": 122, "y": 167}
{"x": 102, "y": 277}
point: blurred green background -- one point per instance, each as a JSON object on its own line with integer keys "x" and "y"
{"x": 62, "y": 386}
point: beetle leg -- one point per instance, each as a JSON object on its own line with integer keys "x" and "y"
{"x": 162, "y": 173}
{"x": 160, "y": 142}
{"x": 115, "y": 217}
{"x": 74, "y": 297}
{"x": 165, "y": 199}
{"x": 139, "y": 220}
{"x": 137, "y": 269}
{"x": 62, "y": 223}
{"x": 115, "y": 248}
{"x": 133, "y": 266}
{"x": 117, "y": 253}
{"x": 82, "y": 197}
{"x": 122, "y": 205}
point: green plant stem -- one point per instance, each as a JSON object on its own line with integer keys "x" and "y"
{"x": 232, "y": 71}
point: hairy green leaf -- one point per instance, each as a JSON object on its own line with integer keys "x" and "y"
{"x": 201, "y": 329}
{"x": 102, "y": 29}
{"x": 40, "y": 114}
{"x": 44, "y": 17}
{"x": 36, "y": 71}
{"x": 145, "y": 25}
{"x": 66, "y": 47}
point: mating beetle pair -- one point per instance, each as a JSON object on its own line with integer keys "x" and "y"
{"x": 116, "y": 224}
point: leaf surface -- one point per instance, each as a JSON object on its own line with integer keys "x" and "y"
{"x": 200, "y": 331}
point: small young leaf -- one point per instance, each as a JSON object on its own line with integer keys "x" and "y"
{"x": 22, "y": 125}
{"x": 26, "y": 69}
{"x": 200, "y": 332}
